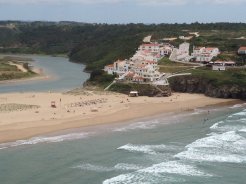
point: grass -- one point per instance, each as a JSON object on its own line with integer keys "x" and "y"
{"x": 229, "y": 77}
{"x": 167, "y": 62}
{"x": 8, "y": 72}
{"x": 168, "y": 66}
{"x": 6, "y": 67}
{"x": 172, "y": 69}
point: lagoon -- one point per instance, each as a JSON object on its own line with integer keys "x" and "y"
{"x": 63, "y": 75}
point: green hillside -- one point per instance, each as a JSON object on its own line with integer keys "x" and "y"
{"x": 100, "y": 44}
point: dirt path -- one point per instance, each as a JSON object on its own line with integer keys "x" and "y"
{"x": 19, "y": 66}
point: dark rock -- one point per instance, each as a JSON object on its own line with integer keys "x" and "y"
{"x": 192, "y": 84}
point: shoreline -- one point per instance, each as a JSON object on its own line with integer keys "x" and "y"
{"x": 25, "y": 124}
{"x": 36, "y": 77}
{"x": 38, "y": 74}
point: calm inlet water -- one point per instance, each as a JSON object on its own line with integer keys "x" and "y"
{"x": 205, "y": 146}
{"x": 63, "y": 74}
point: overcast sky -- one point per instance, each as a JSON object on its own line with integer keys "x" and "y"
{"x": 125, "y": 11}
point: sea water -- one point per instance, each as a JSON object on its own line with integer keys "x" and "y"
{"x": 207, "y": 145}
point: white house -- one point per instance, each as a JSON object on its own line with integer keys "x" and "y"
{"x": 242, "y": 50}
{"x": 203, "y": 54}
{"x": 222, "y": 65}
{"x": 109, "y": 69}
{"x": 152, "y": 47}
{"x": 166, "y": 49}
{"x": 143, "y": 66}
{"x": 146, "y": 55}
{"x": 218, "y": 68}
{"x": 119, "y": 67}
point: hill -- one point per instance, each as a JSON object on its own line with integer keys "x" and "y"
{"x": 100, "y": 44}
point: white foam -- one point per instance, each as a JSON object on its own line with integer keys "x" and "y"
{"x": 147, "y": 149}
{"x": 216, "y": 125}
{"x": 237, "y": 106}
{"x": 138, "y": 125}
{"x": 54, "y": 139}
{"x": 243, "y": 130}
{"x": 140, "y": 178}
{"x": 127, "y": 167}
{"x": 174, "y": 167}
{"x": 243, "y": 113}
{"x": 125, "y": 179}
{"x": 227, "y": 128}
{"x": 117, "y": 167}
{"x": 226, "y": 147}
{"x": 91, "y": 167}
{"x": 157, "y": 173}
{"x": 198, "y": 111}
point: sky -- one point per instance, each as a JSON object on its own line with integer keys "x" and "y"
{"x": 125, "y": 11}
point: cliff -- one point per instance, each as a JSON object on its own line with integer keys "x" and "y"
{"x": 143, "y": 89}
{"x": 196, "y": 84}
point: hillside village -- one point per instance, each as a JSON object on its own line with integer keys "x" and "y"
{"x": 143, "y": 67}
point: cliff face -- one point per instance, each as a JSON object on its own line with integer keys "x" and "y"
{"x": 143, "y": 89}
{"x": 192, "y": 84}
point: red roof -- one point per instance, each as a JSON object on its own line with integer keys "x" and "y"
{"x": 210, "y": 48}
{"x": 242, "y": 49}
{"x": 130, "y": 74}
{"x": 112, "y": 65}
{"x": 138, "y": 77}
{"x": 146, "y": 51}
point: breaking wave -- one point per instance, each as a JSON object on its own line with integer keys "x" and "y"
{"x": 37, "y": 140}
{"x": 147, "y": 149}
{"x": 226, "y": 147}
{"x": 157, "y": 173}
{"x": 138, "y": 125}
{"x": 117, "y": 167}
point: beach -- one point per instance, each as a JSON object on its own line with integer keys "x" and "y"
{"x": 25, "y": 115}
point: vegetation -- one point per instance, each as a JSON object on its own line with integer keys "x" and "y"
{"x": 168, "y": 66}
{"x": 233, "y": 76}
{"x": 99, "y": 77}
{"x": 8, "y": 72}
{"x": 99, "y": 44}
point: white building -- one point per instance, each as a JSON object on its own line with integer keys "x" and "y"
{"x": 242, "y": 50}
{"x": 222, "y": 65}
{"x": 119, "y": 67}
{"x": 143, "y": 66}
{"x": 152, "y": 47}
{"x": 147, "y": 71}
{"x": 203, "y": 54}
{"x": 166, "y": 49}
{"x": 146, "y": 55}
{"x": 109, "y": 69}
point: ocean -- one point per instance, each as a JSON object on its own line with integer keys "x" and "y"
{"x": 207, "y": 145}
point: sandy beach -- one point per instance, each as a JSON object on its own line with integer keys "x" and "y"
{"x": 24, "y": 115}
